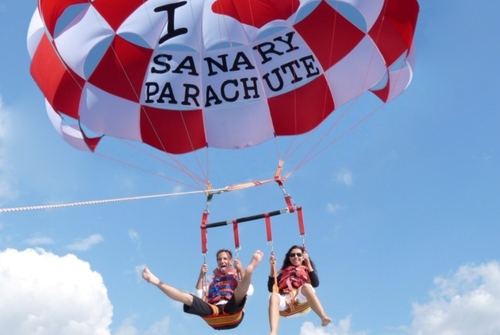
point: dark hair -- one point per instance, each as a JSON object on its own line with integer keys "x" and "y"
{"x": 226, "y": 251}
{"x": 287, "y": 262}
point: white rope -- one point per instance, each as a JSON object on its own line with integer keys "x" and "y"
{"x": 93, "y": 202}
{"x": 235, "y": 187}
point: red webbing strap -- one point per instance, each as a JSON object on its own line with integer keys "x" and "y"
{"x": 301, "y": 221}
{"x": 236, "y": 235}
{"x": 203, "y": 227}
{"x": 269, "y": 231}
{"x": 289, "y": 204}
{"x": 301, "y": 225}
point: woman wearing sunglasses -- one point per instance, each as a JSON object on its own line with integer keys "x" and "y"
{"x": 292, "y": 288}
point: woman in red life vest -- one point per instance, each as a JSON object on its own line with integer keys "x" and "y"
{"x": 294, "y": 293}
{"x": 227, "y": 292}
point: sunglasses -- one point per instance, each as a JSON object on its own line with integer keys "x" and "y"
{"x": 298, "y": 254}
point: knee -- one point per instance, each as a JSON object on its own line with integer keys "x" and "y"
{"x": 307, "y": 290}
{"x": 274, "y": 299}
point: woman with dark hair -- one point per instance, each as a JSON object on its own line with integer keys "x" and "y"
{"x": 292, "y": 288}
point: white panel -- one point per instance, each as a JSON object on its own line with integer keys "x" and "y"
{"x": 399, "y": 81}
{"x": 188, "y": 16}
{"x": 80, "y": 37}
{"x": 107, "y": 114}
{"x": 360, "y": 70}
{"x": 369, "y": 9}
{"x": 35, "y": 32}
{"x": 71, "y": 134}
{"x": 235, "y": 128}
{"x": 219, "y": 29}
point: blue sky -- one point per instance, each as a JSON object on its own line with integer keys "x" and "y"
{"x": 402, "y": 214}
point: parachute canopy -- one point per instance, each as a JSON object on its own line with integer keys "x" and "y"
{"x": 183, "y": 75}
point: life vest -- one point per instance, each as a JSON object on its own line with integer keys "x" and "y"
{"x": 222, "y": 286}
{"x": 293, "y": 277}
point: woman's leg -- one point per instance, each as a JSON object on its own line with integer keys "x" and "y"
{"x": 274, "y": 313}
{"x": 313, "y": 301}
{"x": 241, "y": 290}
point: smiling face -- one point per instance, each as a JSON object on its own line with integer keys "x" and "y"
{"x": 296, "y": 256}
{"x": 224, "y": 261}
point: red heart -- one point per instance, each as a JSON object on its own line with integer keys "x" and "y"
{"x": 256, "y": 13}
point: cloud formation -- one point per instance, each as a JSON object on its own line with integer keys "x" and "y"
{"x": 7, "y": 187}
{"x": 135, "y": 238}
{"x": 46, "y": 294}
{"x": 158, "y": 328}
{"x": 333, "y": 208}
{"x": 344, "y": 328}
{"x": 466, "y": 303}
{"x": 86, "y": 243}
{"x": 344, "y": 176}
{"x": 39, "y": 240}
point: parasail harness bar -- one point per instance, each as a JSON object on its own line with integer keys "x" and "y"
{"x": 291, "y": 207}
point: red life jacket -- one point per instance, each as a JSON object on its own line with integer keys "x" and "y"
{"x": 222, "y": 286}
{"x": 293, "y": 277}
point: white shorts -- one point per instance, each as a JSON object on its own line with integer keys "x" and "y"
{"x": 300, "y": 298}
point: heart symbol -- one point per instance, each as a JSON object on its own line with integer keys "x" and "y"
{"x": 256, "y": 13}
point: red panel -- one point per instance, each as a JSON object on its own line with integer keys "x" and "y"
{"x": 122, "y": 69}
{"x": 383, "y": 93}
{"x": 256, "y": 13}
{"x": 61, "y": 87}
{"x": 115, "y": 12}
{"x": 394, "y": 29}
{"x": 176, "y": 132}
{"x": 326, "y": 21}
{"x": 51, "y": 10}
{"x": 303, "y": 109}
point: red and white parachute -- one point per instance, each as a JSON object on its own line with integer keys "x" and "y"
{"x": 184, "y": 75}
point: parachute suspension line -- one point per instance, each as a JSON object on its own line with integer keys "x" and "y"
{"x": 150, "y": 172}
{"x": 312, "y": 156}
{"x": 289, "y": 152}
{"x": 178, "y": 167}
{"x": 314, "y": 151}
{"x": 181, "y": 166}
{"x": 311, "y": 133}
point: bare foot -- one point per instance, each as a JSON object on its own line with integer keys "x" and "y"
{"x": 150, "y": 277}
{"x": 325, "y": 320}
{"x": 256, "y": 258}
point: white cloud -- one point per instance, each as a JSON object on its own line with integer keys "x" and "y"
{"x": 135, "y": 238}
{"x": 39, "y": 240}
{"x": 466, "y": 303}
{"x": 7, "y": 182}
{"x": 344, "y": 176}
{"x": 127, "y": 327}
{"x": 86, "y": 243}
{"x": 158, "y": 328}
{"x": 138, "y": 271}
{"x": 333, "y": 208}
{"x": 46, "y": 294}
{"x": 344, "y": 328}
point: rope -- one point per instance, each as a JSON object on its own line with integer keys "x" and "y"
{"x": 235, "y": 187}
{"x": 93, "y": 202}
